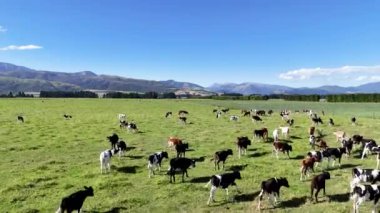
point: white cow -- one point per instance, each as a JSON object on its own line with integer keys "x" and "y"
{"x": 275, "y": 134}
{"x": 105, "y": 159}
{"x": 285, "y": 131}
{"x": 122, "y": 117}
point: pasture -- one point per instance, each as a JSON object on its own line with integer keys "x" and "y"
{"x": 48, "y": 157}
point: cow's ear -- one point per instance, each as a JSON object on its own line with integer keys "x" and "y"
{"x": 85, "y": 187}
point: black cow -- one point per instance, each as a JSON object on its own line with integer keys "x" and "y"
{"x": 290, "y": 122}
{"x": 270, "y": 112}
{"x": 225, "y": 110}
{"x": 122, "y": 147}
{"x": 181, "y": 149}
{"x": 183, "y": 112}
{"x": 113, "y": 139}
{"x": 317, "y": 120}
{"x": 75, "y": 200}
{"x": 261, "y": 133}
{"x": 353, "y": 121}
{"x": 222, "y": 181}
{"x": 256, "y": 118}
{"x": 180, "y": 164}
{"x": 331, "y": 122}
{"x": 363, "y": 193}
{"x": 319, "y": 182}
{"x": 260, "y": 112}
{"x": 221, "y": 156}
{"x": 183, "y": 119}
{"x": 20, "y": 118}
{"x": 272, "y": 188}
{"x": 242, "y": 144}
{"x": 154, "y": 161}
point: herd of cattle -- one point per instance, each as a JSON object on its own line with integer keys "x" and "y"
{"x": 362, "y": 185}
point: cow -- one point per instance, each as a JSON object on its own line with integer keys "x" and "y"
{"x": 246, "y": 113}
{"x": 317, "y": 120}
{"x": 20, "y": 118}
{"x": 221, "y": 156}
{"x": 67, "y": 116}
{"x": 331, "y": 122}
{"x": 124, "y": 124}
{"x": 181, "y": 164}
{"x": 234, "y": 118}
{"x": 121, "y": 117}
{"x": 223, "y": 181}
{"x": 348, "y": 144}
{"x": 369, "y": 147}
{"x": 312, "y": 141}
{"x": 225, "y": 110}
{"x": 285, "y": 131}
{"x": 260, "y": 112}
{"x": 319, "y": 182}
{"x": 321, "y": 144}
{"x": 330, "y": 154}
{"x": 261, "y": 133}
{"x": 173, "y": 141}
{"x": 132, "y": 127}
{"x": 183, "y": 120}
{"x": 363, "y": 193}
{"x": 242, "y": 144}
{"x": 113, "y": 139}
{"x": 181, "y": 149}
{"x": 154, "y": 161}
{"x": 272, "y": 187}
{"x": 307, "y": 164}
{"x": 75, "y": 201}
{"x": 122, "y": 147}
{"x": 105, "y": 159}
{"x": 182, "y": 113}
{"x": 364, "y": 176}
{"x": 311, "y": 130}
{"x": 270, "y": 112}
{"x": 168, "y": 114}
{"x": 275, "y": 135}
{"x": 218, "y": 114}
{"x": 353, "y": 121}
{"x": 256, "y": 118}
{"x": 339, "y": 135}
{"x": 281, "y": 147}
{"x": 290, "y": 122}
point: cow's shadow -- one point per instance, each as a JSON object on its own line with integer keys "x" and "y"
{"x": 246, "y": 197}
{"x": 113, "y": 210}
{"x": 295, "y": 137}
{"x": 341, "y": 198}
{"x": 297, "y": 157}
{"x": 136, "y": 157}
{"x": 203, "y": 179}
{"x": 348, "y": 165}
{"x": 130, "y": 148}
{"x": 127, "y": 169}
{"x": 257, "y": 154}
{"x": 294, "y": 202}
{"x": 237, "y": 167}
{"x": 200, "y": 159}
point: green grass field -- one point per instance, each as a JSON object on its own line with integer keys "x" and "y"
{"x": 48, "y": 157}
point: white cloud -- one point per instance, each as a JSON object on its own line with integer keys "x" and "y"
{"x": 339, "y": 72}
{"x": 2, "y": 29}
{"x": 21, "y": 47}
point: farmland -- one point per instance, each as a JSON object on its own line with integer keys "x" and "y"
{"x": 48, "y": 157}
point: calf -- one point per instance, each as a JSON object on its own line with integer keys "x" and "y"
{"x": 154, "y": 161}
{"x": 317, "y": 120}
{"x": 105, "y": 159}
{"x": 182, "y": 113}
{"x": 330, "y": 154}
{"x": 75, "y": 200}
{"x": 290, "y": 122}
{"x": 123, "y": 124}
{"x": 272, "y": 188}
{"x": 369, "y": 146}
{"x": 331, "y": 122}
{"x": 225, "y": 110}
{"x": 256, "y": 118}
{"x": 113, "y": 139}
{"x": 283, "y": 147}
{"x": 221, "y": 156}
{"x": 234, "y": 118}
{"x": 307, "y": 164}
{"x": 132, "y": 127}
{"x": 319, "y": 182}
{"x": 363, "y": 193}
{"x": 339, "y": 135}
{"x": 322, "y": 145}
{"x": 183, "y": 120}
{"x": 173, "y": 141}
{"x": 181, "y": 149}
{"x": 285, "y": 131}
{"x": 181, "y": 164}
{"x": 121, "y": 117}
{"x": 261, "y": 133}
{"x": 353, "y": 121}
{"x": 270, "y": 112}
{"x": 218, "y": 114}
{"x": 246, "y": 113}
{"x": 260, "y": 112}
{"x": 122, "y": 147}
{"x": 20, "y": 118}
{"x": 222, "y": 181}
{"x": 312, "y": 141}
{"x": 364, "y": 175}
{"x": 67, "y": 116}
{"x": 168, "y": 114}
{"x": 348, "y": 145}
{"x": 242, "y": 144}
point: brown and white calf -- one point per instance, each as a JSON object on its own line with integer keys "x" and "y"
{"x": 281, "y": 147}
{"x": 307, "y": 165}
{"x": 173, "y": 141}
{"x": 242, "y": 144}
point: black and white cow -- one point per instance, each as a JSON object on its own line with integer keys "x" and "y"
{"x": 319, "y": 182}
{"x": 75, "y": 201}
{"x": 154, "y": 161}
{"x": 181, "y": 149}
{"x": 20, "y": 118}
{"x": 242, "y": 144}
{"x": 223, "y": 181}
{"x": 348, "y": 144}
{"x": 290, "y": 122}
{"x": 370, "y": 146}
{"x": 234, "y": 118}
{"x": 363, "y": 193}
{"x": 364, "y": 175}
{"x": 331, "y": 122}
{"x": 180, "y": 164}
{"x": 329, "y": 154}
{"x": 105, "y": 159}
{"x": 353, "y": 121}
{"x": 132, "y": 127}
{"x": 317, "y": 120}
{"x": 66, "y": 116}
{"x": 221, "y": 156}
{"x": 168, "y": 114}
{"x": 122, "y": 147}
{"x": 271, "y": 187}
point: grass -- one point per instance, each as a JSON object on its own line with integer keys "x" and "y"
{"x": 48, "y": 157}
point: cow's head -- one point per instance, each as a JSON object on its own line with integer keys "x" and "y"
{"x": 237, "y": 175}
{"x": 283, "y": 182}
{"x": 229, "y": 152}
{"x": 89, "y": 191}
{"x": 192, "y": 163}
{"x": 164, "y": 155}
{"x": 326, "y": 175}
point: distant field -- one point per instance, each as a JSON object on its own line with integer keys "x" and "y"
{"x": 48, "y": 157}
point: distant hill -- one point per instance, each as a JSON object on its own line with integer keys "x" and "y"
{"x": 266, "y": 89}
{"x": 18, "y": 78}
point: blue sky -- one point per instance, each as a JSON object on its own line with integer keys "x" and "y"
{"x": 287, "y": 42}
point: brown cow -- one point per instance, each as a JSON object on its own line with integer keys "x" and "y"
{"x": 307, "y": 164}
{"x": 173, "y": 141}
{"x": 311, "y": 130}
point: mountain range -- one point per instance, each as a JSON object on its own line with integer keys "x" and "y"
{"x": 18, "y": 78}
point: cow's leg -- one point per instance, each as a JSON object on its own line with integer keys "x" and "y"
{"x": 239, "y": 149}
{"x": 311, "y": 192}
{"x": 376, "y": 203}
{"x": 223, "y": 164}
{"x": 316, "y": 194}
{"x": 260, "y": 198}
{"x": 378, "y": 160}
{"x": 364, "y": 153}
{"x": 212, "y": 195}
{"x": 216, "y": 163}
{"x": 226, "y": 193}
